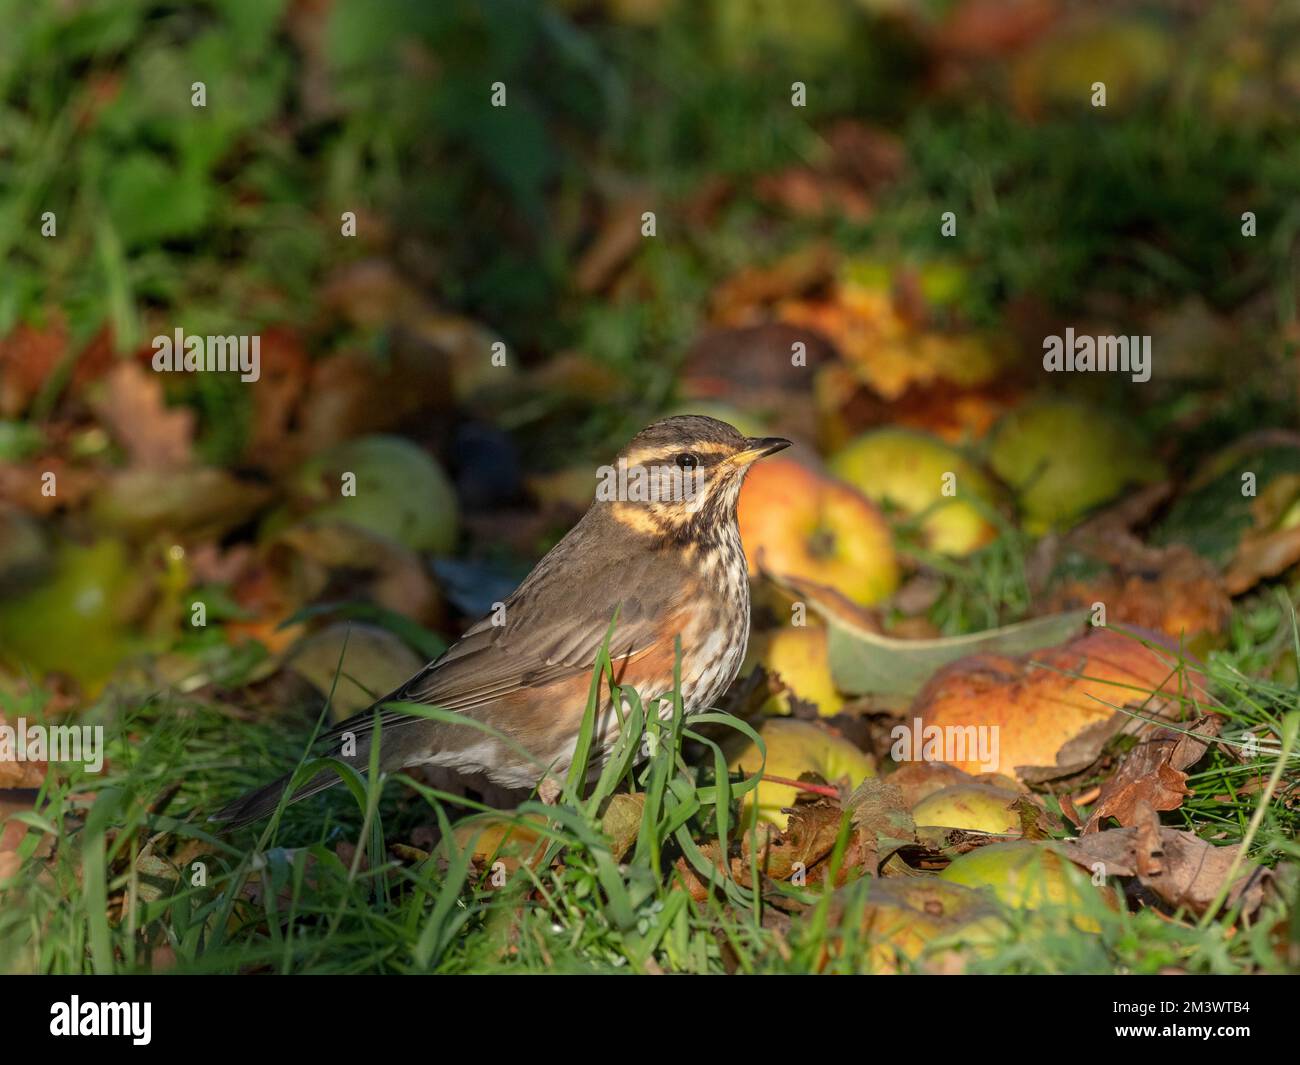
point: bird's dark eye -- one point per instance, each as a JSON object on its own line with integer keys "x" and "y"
{"x": 687, "y": 461}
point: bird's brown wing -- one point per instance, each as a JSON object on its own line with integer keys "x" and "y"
{"x": 553, "y": 628}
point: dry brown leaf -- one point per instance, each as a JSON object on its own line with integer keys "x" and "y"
{"x": 285, "y": 367}
{"x": 1151, "y": 775}
{"x": 616, "y": 242}
{"x": 27, "y": 358}
{"x": 19, "y": 774}
{"x": 747, "y": 297}
{"x": 807, "y": 840}
{"x": 22, "y": 485}
{"x": 881, "y": 819}
{"x": 133, "y": 411}
{"x": 1261, "y": 555}
{"x": 990, "y": 29}
{"x": 859, "y": 162}
{"x": 1181, "y": 868}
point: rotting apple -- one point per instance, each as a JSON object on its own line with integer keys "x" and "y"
{"x": 907, "y": 921}
{"x": 1033, "y": 705}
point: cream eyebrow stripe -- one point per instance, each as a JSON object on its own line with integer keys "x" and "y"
{"x": 660, "y": 457}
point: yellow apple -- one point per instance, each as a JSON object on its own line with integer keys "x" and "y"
{"x": 973, "y": 807}
{"x": 1056, "y": 482}
{"x": 911, "y": 920}
{"x": 1029, "y": 876}
{"x": 796, "y": 747}
{"x": 799, "y": 657}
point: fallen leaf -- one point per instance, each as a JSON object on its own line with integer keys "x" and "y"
{"x": 285, "y": 369}
{"x": 880, "y": 816}
{"x": 368, "y": 662}
{"x": 1251, "y": 533}
{"x": 28, "y": 356}
{"x": 1261, "y": 555}
{"x": 15, "y": 773}
{"x": 200, "y": 502}
{"x": 747, "y": 297}
{"x": 621, "y": 822}
{"x": 1184, "y": 871}
{"x": 617, "y": 240}
{"x": 990, "y": 29}
{"x": 1151, "y": 774}
{"x": 24, "y": 484}
{"x": 133, "y": 411}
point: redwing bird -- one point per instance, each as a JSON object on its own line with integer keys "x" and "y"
{"x": 659, "y": 546}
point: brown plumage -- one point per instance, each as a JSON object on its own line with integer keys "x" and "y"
{"x": 660, "y": 546}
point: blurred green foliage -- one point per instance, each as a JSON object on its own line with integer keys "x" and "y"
{"x": 226, "y": 218}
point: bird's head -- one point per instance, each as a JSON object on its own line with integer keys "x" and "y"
{"x": 680, "y": 477}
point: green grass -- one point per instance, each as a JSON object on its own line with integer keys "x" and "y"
{"x": 108, "y": 876}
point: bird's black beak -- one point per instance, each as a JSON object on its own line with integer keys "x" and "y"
{"x": 757, "y": 447}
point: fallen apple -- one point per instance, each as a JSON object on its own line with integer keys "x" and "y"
{"x": 918, "y": 474}
{"x": 1130, "y": 57}
{"x": 383, "y": 484}
{"x": 973, "y": 807}
{"x": 1031, "y": 876}
{"x": 76, "y": 621}
{"x": 1020, "y": 712}
{"x": 798, "y": 657}
{"x": 798, "y": 522}
{"x": 498, "y": 837}
{"x": 910, "y": 920}
{"x": 1063, "y": 458}
{"x": 794, "y": 748}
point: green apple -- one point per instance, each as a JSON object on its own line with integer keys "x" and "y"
{"x": 1063, "y": 458}
{"x": 918, "y": 474}
{"x": 400, "y": 492}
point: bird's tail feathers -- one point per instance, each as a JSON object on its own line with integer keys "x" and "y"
{"x": 261, "y": 802}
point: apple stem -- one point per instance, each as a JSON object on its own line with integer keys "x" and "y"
{"x": 816, "y": 789}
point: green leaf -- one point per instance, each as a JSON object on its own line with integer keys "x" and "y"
{"x": 867, "y": 663}
{"x": 149, "y": 200}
